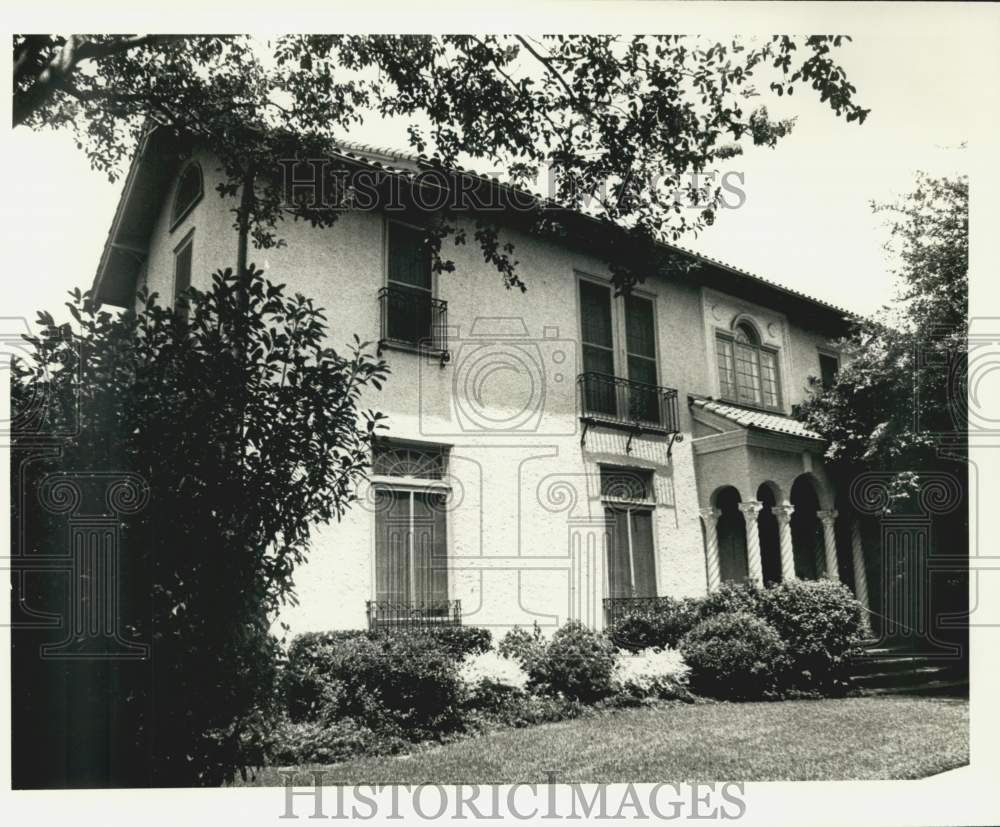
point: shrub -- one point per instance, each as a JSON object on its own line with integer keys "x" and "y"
{"x": 730, "y": 598}
{"x": 577, "y": 663}
{"x": 654, "y": 625}
{"x": 493, "y": 668}
{"x": 459, "y": 641}
{"x": 408, "y": 683}
{"x": 521, "y": 645}
{"x": 309, "y": 679}
{"x": 822, "y": 626}
{"x": 325, "y": 742}
{"x": 734, "y": 655}
{"x": 651, "y": 673}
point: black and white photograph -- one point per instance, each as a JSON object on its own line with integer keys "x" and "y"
{"x": 433, "y": 416}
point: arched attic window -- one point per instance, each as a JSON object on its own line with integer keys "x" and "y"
{"x": 748, "y": 370}
{"x": 189, "y": 192}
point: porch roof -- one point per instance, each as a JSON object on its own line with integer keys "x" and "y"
{"x": 750, "y": 418}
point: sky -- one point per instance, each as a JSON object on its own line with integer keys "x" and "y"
{"x": 806, "y": 221}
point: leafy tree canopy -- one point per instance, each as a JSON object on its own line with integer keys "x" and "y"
{"x": 899, "y": 403}
{"x": 618, "y": 124}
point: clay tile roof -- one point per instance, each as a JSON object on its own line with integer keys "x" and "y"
{"x": 749, "y": 418}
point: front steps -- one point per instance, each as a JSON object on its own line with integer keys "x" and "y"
{"x": 895, "y": 670}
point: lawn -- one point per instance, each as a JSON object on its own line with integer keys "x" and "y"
{"x": 852, "y": 738}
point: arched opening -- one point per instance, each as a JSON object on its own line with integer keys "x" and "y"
{"x": 189, "y": 192}
{"x": 767, "y": 529}
{"x": 732, "y": 534}
{"x": 807, "y": 533}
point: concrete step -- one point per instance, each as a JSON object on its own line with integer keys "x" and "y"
{"x": 939, "y": 687}
{"x": 908, "y": 677}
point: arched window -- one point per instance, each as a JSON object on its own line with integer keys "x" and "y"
{"x": 189, "y": 190}
{"x": 748, "y": 370}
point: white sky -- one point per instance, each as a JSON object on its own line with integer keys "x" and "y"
{"x": 806, "y": 222}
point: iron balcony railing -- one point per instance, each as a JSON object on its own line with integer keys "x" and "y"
{"x": 407, "y": 615}
{"x": 616, "y": 401}
{"x": 617, "y": 608}
{"x": 413, "y": 318}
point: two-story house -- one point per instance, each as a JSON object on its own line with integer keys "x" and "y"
{"x": 550, "y": 455}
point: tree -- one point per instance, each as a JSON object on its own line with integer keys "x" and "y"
{"x": 898, "y": 403}
{"x": 155, "y": 392}
{"x": 619, "y": 124}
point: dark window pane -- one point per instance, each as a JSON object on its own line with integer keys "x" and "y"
{"x": 644, "y": 398}
{"x": 409, "y": 315}
{"x": 182, "y": 275}
{"x": 595, "y": 312}
{"x": 634, "y": 484}
{"x": 401, "y": 460}
{"x": 828, "y": 367}
{"x": 188, "y": 191}
{"x": 600, "y": 393}
{"x": 619, "y": 571}
{"x": 640, "y": 333}
{"x": 727, "y": 375}
{"x": 409, "y": 260}
{"x": 644, "y": 575}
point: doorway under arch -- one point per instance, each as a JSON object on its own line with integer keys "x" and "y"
{"x": 807, "y": 534}
{"x": 767, "y": 530}
{"x": 732, "y": 534}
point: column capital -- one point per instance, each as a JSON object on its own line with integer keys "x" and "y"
{"x": 751, "y": 509}
{"x": 709, "y": 514}
{"x": 827, "y": 516}
{"x": 783, "y": 512}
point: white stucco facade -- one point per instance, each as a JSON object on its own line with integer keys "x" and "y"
{"x": 525, "y": 517}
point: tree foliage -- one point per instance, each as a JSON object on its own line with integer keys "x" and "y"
{"x": 248, "y": 430}
{"x": 618, "y": 124}
{"x": 899, "y": 403}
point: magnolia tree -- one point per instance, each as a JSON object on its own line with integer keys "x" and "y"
{"x": 247, "y": 428}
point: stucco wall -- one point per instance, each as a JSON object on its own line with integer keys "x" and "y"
{"x": 525, "y": 512}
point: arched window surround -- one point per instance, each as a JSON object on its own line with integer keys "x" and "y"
{"x": 188, "y": 192}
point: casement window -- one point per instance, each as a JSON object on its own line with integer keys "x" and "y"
{"x": 189, "y": 192}
{"x": 627, "y": 496}
{"x": 748, "y": 371}
{"x": 829, "y": 365}
{"x": 618, "y": 338}
{"x": 411, "y": 543}
{"x": 182, "y": 272}
{"x": 409, "y": 308}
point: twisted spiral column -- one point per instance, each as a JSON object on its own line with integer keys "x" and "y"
{"x": 710, "y": 517}
{"x": 783, "y": 513}
{"x": 751, "y": 510}
{"x": 827, "y": 518}
{"x": 858, "y": 559}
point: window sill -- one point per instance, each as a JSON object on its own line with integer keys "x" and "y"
{"x": 416, "y": 349}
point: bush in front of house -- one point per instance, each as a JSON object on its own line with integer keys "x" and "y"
{"x": 730, "y": 598}
{"x": 822, "y": 625}
{"x": 651, "y": 673}
{"x": 523, "y": 646}
{"x": 576, "y": 663}
{"x": 654, "y": 624}
{"x": 735, "y": 656}
{"x": 310, "y": 678}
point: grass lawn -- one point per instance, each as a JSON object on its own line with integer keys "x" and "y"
{"x": 851, "y": 738}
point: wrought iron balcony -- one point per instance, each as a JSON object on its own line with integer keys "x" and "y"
{"x": 406, "y": 615}
{"x": 617, "y": 608}
{"x": 413, "y": 319}
{"x": 611, "y": 400}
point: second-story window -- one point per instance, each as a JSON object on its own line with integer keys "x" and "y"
{"x": 748, "y": 370}
{"x": 618, "y": 349}
{"x": 829, "y": 365}
{"x": 189, "y": 191}
{"x": 182, "y": 272}
{"x": 408, "y": 297}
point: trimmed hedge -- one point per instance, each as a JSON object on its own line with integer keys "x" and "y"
{"x": 577, "y": 663}
{"x": 734, "y": 655}
{"x": 312, "y": 675}
{"x": 822, "y": 626}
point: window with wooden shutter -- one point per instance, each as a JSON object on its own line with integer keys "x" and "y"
{"x": 628, "y": 509}
{"x": 411, "y": 533}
